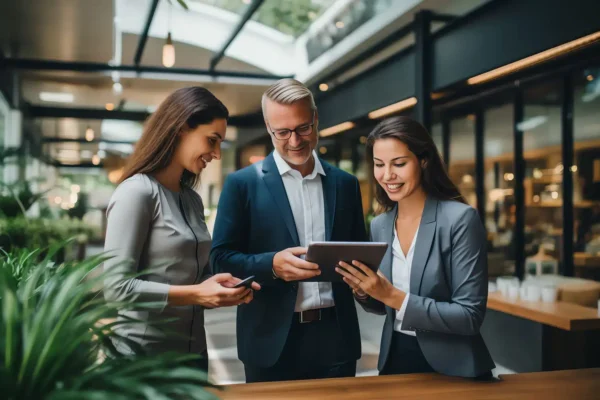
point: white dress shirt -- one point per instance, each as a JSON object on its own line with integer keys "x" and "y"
{"x": 305, "y": 195}
{"x": 401, "y": 266}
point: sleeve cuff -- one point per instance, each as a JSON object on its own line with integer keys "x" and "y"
{"x": 400, "y": 313}
{"x": 154, "y": 292}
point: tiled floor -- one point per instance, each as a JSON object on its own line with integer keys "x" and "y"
{"x": 222, "y": 351}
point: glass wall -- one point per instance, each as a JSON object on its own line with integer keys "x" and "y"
{"x": 499, "y": 180}
{"x": 542, "y": 153}
{"x": 462, "y": 156}
{"x": 586, "y": 173}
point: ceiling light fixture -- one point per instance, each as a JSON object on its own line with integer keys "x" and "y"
{"x": 117, "y": 88}
{"x": 393, "y": 108}
{"x": 535, "y": 59}
{"x": 344, "y": 126}
{"x": 168, "y": 53}
{"x": 89, "y": 134}
{"x": 168, "y": 56}
{"x": 323, "y": 87}
{"x": 57, "y": 97}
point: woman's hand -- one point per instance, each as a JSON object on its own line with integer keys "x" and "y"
{"x": 216, "y": 291}
{"x": 363, "y": 280}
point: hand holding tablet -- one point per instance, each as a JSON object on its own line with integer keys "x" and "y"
{"x": 327, "y": 256}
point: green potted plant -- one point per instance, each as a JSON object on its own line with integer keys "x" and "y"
{"x": 55, "y": 342}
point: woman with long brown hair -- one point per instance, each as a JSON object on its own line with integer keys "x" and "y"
{"x": 432, "y": 282}
{"x": 156, "y": 224}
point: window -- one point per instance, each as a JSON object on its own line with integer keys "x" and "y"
{"x": 499, "y": 188}
{"x": 462, "y": 156}
{"x": 542, "y": 153}
{"x": 586, "y": 173}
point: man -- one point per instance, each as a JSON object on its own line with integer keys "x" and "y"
{"x": 268, "y": 214}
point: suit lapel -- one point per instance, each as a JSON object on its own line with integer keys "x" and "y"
{"x": 329, "y": 197}
{"x": 275, "y": 185}
{"x": 387, "y": 235}
{"x": 423, "y": 244}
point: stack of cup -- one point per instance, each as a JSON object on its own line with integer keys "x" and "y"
{"x": 534, "y": 292}
{"x": 505, "y": 282}
{"x": 549, "y": 293}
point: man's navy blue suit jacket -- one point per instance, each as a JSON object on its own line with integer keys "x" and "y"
{"x": 254, "y": 222}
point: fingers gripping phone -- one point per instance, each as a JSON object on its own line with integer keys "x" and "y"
{"x": 247, "y": 283}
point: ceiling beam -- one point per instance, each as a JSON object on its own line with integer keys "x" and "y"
{"x": 35, "y": 111}
{"x": 84, "y": 141}
{"x": 245, "y": 18}
{"x": 75, "y": 66}
{"x": 85, "y": 113}
{"x": 144, "y": 36}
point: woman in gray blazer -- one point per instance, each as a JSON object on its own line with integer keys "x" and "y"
{"x": 156, "y": 223}
{"x": 432, "y": 282}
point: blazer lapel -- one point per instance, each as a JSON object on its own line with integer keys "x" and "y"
{"x": 275, "y": 185}
{"x": 329, "y": 197}
{"x": 423, "y": 244}
{"x": 387, "y": 235}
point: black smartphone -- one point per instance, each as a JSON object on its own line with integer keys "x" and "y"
{"x": 247, "y": 283}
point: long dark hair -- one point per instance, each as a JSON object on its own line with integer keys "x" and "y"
{"x": 185, "y": 108}
{"x": 434, "y": 178}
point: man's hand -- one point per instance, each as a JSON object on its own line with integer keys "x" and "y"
{"x": 289, "y": 267}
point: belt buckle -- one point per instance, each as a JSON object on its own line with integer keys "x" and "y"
{"x": 302, "y": 321}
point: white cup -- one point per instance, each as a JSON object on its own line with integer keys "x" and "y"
{"x": 534, "y": 293}
{"x": 504, "y": 283}
{"x": 523, "y": 291}
{"x": 492, "y": 287}
{"x": 549, "y": 294}
{"x": 513, "y": 292}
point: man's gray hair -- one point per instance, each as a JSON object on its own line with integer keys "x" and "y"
{"x": 287, "y": 91}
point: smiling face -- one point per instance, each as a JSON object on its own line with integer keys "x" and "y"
{"x": 199, "y": 146}
{"x": 396, "y": 168}
{"x": 297, "y": 149}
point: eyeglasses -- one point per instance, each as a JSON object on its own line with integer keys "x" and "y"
{"x": 303, "y": 130}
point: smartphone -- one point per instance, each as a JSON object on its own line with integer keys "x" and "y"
{"x": 247, "y": 283}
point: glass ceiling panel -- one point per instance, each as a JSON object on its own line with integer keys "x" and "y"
{"x": 352, "y": 17}
{"x": 291, "y": 17}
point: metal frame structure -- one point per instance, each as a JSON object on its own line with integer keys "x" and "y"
{"x": 144, "y": 36}
{"x": 76, "y": 66}
{"x": 244, "y": 19}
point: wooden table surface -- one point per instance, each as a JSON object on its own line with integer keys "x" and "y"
{"x": 567, "y": 316}
{"x": 571, "y": 384}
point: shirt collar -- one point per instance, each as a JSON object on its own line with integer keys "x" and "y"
{"x": 284, "y": 167}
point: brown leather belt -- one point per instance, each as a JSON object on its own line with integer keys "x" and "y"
{"x": 317, "y": 314}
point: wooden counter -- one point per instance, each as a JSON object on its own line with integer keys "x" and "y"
{"x": 574, "y": 384}
{"x": 567, "y": 316}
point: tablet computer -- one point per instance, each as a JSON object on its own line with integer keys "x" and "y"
{"x": 328, "y": 254}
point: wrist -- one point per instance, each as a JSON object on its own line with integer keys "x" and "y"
{"x": 360, "y": 296}
{"x": 274, "y": 274}
{"x": 180, "y": 295}
{"x": 395, "y": 298}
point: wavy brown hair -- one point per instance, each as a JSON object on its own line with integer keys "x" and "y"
{"x": 434, "y": 178}
{"x": 183, "y": 109}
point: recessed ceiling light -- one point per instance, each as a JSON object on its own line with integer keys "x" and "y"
{"x": 57, "y": 97}
{"x": 323, "y": 87}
